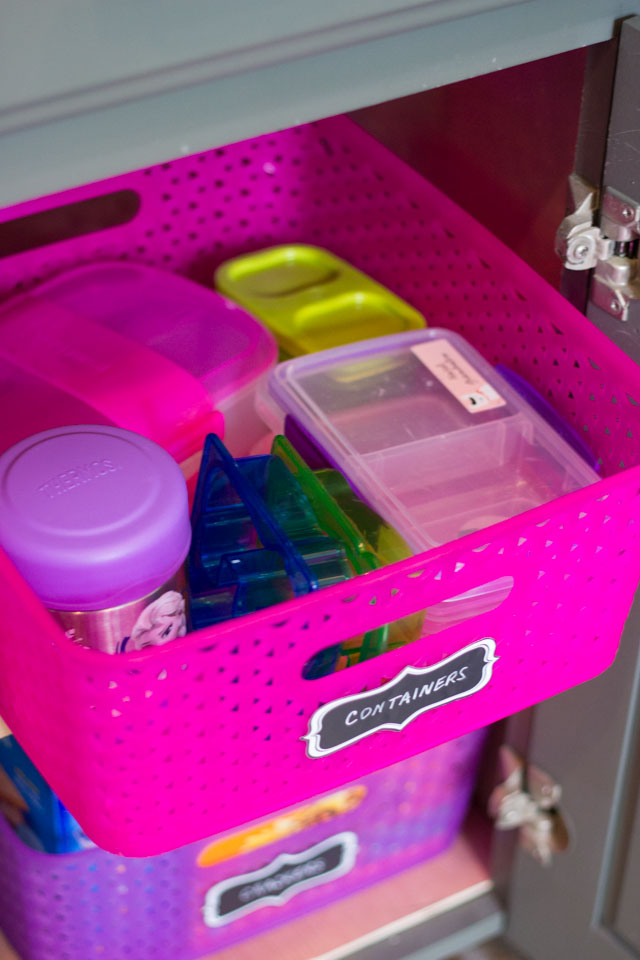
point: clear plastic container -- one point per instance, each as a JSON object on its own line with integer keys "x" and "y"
{"x": 427, "y": 431}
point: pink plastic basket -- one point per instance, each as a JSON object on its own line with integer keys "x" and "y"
{"x": 160, "y": 748}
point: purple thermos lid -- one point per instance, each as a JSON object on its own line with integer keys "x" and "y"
{"x": 92, "y": 516}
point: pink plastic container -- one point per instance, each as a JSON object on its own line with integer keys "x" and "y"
{"x": 92, "y": 903}
{"x": 171, "y": 358}
{"x": 156, "y": 749}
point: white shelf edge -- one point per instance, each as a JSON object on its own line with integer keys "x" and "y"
{"x": 402, "y": 924}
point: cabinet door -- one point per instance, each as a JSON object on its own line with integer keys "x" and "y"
{"x": 587, "y": 904}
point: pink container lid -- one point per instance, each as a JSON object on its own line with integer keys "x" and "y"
{"x": 212, "y": 338}
{"x": 92, "y": 516}
{"x": 144, "y": 349}
{"x": 37, "y": 405}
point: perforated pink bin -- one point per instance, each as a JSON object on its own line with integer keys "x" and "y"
{"x": 155, "y": 749}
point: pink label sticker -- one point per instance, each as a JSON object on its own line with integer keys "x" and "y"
{"x": 456, "y": 374}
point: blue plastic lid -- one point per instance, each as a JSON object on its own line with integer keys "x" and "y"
{"x": 256, "y": 539}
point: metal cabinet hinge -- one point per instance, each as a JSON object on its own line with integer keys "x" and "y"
{"x": 578, "y": 241}
{"x": 528, "y": 801}
{"x": 609, "y": 247}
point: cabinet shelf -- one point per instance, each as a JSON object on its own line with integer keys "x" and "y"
{"x": 100, "y": 89}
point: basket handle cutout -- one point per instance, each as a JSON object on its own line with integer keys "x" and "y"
{"x": 67, "y": 222}
{"x": 434, "y": 619}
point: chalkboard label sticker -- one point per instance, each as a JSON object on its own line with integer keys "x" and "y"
{"x": 283, "y": 878}
{"x": 391, "y": 707}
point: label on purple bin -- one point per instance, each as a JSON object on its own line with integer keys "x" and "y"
{"x": 288, "y": 874}
{"x": 395, "y": 704}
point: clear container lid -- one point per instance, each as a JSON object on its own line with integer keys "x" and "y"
{"x": 436, "y": 441}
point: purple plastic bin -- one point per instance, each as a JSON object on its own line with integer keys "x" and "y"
{"x": 95, "y": 904}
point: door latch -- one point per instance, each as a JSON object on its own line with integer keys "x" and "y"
{"x": 528, "y": 801}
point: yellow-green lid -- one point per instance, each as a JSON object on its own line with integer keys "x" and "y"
{"x": 312, "y": 300}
